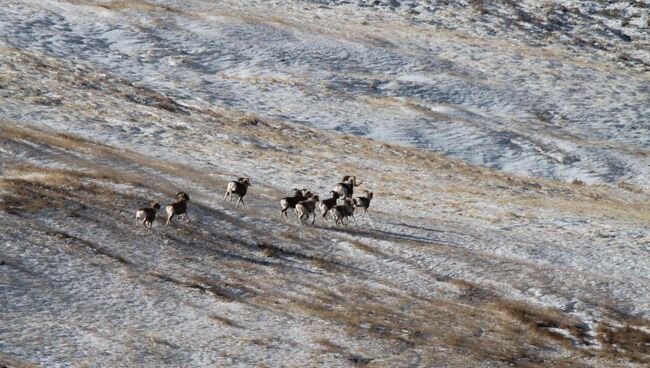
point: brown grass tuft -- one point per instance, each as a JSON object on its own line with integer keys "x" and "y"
{"x": 330, "y": 347}
{"x": 268, "y": 249}
{"x": 625, "y": 342}
{"x": 629, "y": 187}
{"x": 224, "y": 320}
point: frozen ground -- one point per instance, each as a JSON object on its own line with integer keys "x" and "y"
{"x": 555, "y": 89}
{"x": 460, "y": 266}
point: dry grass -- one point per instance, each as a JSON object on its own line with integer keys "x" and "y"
{"x": 73, "y": 143}
{"x": 626, "y": 342}
{"x": 224, "y": 320}
{"x": 7, "y": 360}
{"x": 365, "y": 247}
{"x": 269, "y": 250}
{"x": 330, "y": 347}
{"x": 541, "y": 320}
{"x": 480, "y": 326}
{"x": 132, "y": 5}
{"x": 31, "y": 189}
{"x": 629, "y": 187}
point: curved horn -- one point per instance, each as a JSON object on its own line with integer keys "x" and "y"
{"x": 346, "y": 178}
{"x": 354, "y": 181}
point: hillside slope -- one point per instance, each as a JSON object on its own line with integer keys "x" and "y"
{"x": 459, "y": 265}
{"x": 555, "y": 89}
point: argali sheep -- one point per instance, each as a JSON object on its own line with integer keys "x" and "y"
{"x": 307, "y": 193}
{"x": 291, "y": 201}
{"x": 307, "y": 207}
{"x": 346, "y": 187}
{"x": 238, "y": 188}
{"x": 179, "y": 207}
{"x": 343, "y": 211}
{"x": 326, "y": 204}
{"x": 147, "y": 214}
{"x": 363, "y": 201}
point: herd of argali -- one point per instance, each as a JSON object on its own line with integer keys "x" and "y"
{"x": 340, "y": 206}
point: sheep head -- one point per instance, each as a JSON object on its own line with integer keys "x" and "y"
{"x": 351, "y": 180}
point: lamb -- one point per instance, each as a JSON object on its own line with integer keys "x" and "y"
{"x": 179, "y": 207}
{"x": 326, "y": 204}
{"x": 346, "y": 187}
{"x": 342, "y": 211}
{"x": 147, "y": 214}
{"x": 291, "y": 201}
{"x": 238, "y": 188}
{"x": 364, "y": 202}
{"x": 307, "y": 207}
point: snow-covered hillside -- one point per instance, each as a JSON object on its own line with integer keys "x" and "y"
{"x": 555, "y": 89}
{"x": 107, "y": 105}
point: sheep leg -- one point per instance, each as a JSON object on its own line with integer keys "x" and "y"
{"x": 187, "y": 217}
{"x": 242, "y": 202}
{"x": 313, "y": 217}
{"x": 169, "y": 218}
{"x": 226, "y": 195}
{"x": 299, "y": 217}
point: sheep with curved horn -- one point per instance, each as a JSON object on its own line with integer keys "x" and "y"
{"x": 238, "y": 188}
{"x": 346, "y": 187}
{"x": 326, "y": 204}
{"x": 307, "y": 207}
{"x": 147, "y": 214}
{"x": 342, "y": 211}
{"x": 363, "y": 201}
{"x": 292, "y": 200}
{"x": 178, "y": 207}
